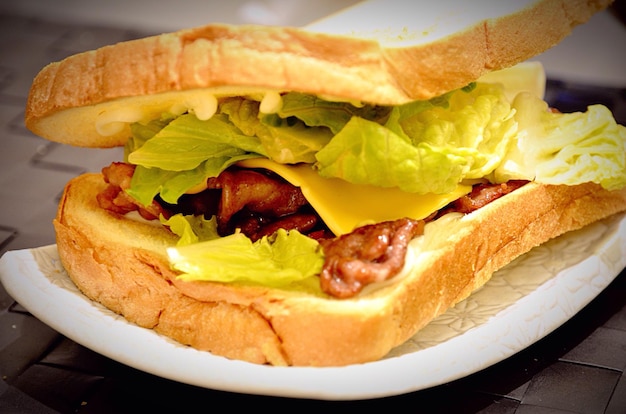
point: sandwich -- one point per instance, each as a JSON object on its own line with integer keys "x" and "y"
{"x": 293, "y": 196}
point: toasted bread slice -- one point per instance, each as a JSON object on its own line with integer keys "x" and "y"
{"x": 88, "y": 99}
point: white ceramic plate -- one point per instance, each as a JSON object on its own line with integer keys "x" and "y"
{"x": 521, "y": 304}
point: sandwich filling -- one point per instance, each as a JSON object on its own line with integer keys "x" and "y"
{"x": 285, "y": 189}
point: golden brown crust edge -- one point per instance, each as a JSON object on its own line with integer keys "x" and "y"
{"x": 127, "y": 272}
{"x": 66, "y": 97}
{"x": 129, "y": 281}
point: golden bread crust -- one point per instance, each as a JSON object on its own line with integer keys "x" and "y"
{"x": 122, "y": 264}
{"x": 67, "y": 97}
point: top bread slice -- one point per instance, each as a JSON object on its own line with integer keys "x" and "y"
{"x": 122, "y": 264}
{"x": 140, "y": 79}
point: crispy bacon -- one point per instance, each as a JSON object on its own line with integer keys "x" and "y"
{"x": 483, "y": 194}
{"x": 369, "y": 254}
{"x": 256, "y": 193}
{"x": 114, "y": 198}
{"x": 376, "y": 253}
{"x": 256, "y": 203}
{"x": 255, "y": 227}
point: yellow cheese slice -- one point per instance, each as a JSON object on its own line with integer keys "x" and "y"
{"x": 344, "y": 206}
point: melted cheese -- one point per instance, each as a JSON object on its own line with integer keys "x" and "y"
{"x": 110, "y": 122}
{"x": 344, "y": 206}
{"x": 113, "y": 117}
{"x": 271, "y": 103}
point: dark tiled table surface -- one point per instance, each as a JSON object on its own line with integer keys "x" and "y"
{"x": 577, "y": 369}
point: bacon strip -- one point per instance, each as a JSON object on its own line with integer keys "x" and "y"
{"x": 369, "y": 254}
{"x": 257, "y": 194}
{"x": 483, "y": 194}
{"x": 256, "y": 203}
{"x": 115, "y": 198}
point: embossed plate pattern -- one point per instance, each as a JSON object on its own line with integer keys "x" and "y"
{"x": 521, "y": 304}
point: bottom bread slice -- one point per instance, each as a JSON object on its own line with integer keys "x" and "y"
{"x": 122, "y": 264}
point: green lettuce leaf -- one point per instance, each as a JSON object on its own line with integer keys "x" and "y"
{"x": 425, "y": 147}
{"x": 141, "y": 133}
{"x": 191, "y": 229}
{"x": 317, "y": 112}
{"x": 187, "y": 142}
{"x": 572, "y": 148}
{"x": 278, "y": 261}
{"x": 284, "y": 140}
{"x": 146, "y": 183}
{"x": 365, "y": 152}
{"x": 286, "y": 259}
{"x": 173, "y": 156}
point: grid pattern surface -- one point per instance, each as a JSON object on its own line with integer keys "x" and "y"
{"x": 577, "y": 369}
